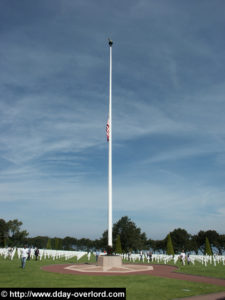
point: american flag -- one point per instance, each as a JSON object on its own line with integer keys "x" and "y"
{"x": 107, "y": 130}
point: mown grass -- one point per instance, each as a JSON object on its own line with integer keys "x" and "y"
{"x": 210, "y": 270}
{"x": 138, "y": 286}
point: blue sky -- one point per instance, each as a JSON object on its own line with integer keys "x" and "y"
{"x": 168, "y": 115}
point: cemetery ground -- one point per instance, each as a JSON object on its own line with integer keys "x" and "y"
{"x": 137, "y": 286}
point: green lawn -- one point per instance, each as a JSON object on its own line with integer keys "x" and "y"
{"x": 217, "y": 271}
{"x": 210, "y": 270}
{"x": 138, "y": 286}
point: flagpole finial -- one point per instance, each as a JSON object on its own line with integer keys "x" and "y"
{"x": 110, "y": 42}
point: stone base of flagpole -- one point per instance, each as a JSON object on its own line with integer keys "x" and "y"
{"x": 109, "y": 261}
{"x": 109, "y": 267}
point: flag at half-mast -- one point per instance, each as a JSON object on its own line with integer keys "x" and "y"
{"x": 107, "y": 130}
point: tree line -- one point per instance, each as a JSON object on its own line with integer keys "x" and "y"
{"x": 127, "y": 237}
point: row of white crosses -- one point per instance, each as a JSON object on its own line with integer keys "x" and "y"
{"x": 157, "y": 258}
{"x": 208, "y": 259}
{"x": 8, "y": 252}
{"x": 164, "y": 258}
{"x": 54, "y": 254}
{"x": 43, "y": 253}
{"x": 203, "y": 259}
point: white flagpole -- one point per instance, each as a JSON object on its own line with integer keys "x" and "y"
{"x": 110, "y": 151}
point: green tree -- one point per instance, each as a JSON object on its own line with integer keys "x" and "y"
{"x": 221, "y": 243}
{"x": 49, "y": 245}
{"x": 118, "y": 245}
{"x": 68, "y": 243}
{"x": 151, "y": 244}
{"x": 38, "y": 241}
{"x": 131, "y": 236}
{"x": 56, "y": 246}
{"x": 214, "y": 238}
{"x": 56, "y": 243}
{"x": 160, "y": 246}
{"x": 84, "y": 244}
{"x": 193, "y": 244}
{"x": 60, "y": 244}
{"x": 97, "y": 244}
{"x": 212, "y": 235}
{"x": 208, "y": 250}
{"x": 169, "y": 246}
{"x": 3, "y": 233}
{"x": 180, "y": 238}
{"x": 200, "y": 239}
{"x": 16, "y": 237}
